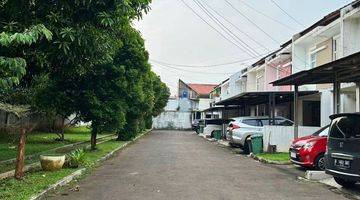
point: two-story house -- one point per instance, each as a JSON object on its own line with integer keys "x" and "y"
{"x": 196, "y": 95}
{"x": 331, "y": 38}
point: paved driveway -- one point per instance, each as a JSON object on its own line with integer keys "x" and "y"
{"x": 180, "y": 165}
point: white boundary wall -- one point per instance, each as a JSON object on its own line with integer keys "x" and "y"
{"x": 281, "y": 136}
{"x": 172, "y": 120}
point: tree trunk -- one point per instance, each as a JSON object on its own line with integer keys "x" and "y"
{"x": 93, "y": 139}
{"x": 53, "y": 126}
{"x": 19, "y": 170}
{"x": 118, "y": 136}
{"x": 62, "y": 136}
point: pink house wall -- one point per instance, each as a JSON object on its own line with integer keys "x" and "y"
{"x": 272, "y": 75}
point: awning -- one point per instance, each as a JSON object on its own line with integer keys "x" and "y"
{"x": 344, "y": 70}
{"x": 220, "y": 108}
{"x": 257, "y": 98}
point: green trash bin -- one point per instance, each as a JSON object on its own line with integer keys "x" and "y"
{"x": 201, "y": 128}
{"x": 217, "y": 134}
{"x": 256, "y": 143}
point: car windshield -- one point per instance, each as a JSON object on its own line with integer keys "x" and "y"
{"x": 323, "y": 132}
{"x": 283, "y": 122}
{"x": 345, "y": 127}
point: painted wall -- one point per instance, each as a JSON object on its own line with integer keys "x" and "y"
{"x": 185, "y": 91}
{"x": 173, "y": 120}
{"x": 176, "y": 115}
{"x": 281, "y": 136}
{"x": 251, "y": 81}
{"x": 225, "y": 90}
{"x": 203, "y": 103}
{"x": 326, "y": 107}
{"x": 351, "y": 32}
{"x": 271, "y": 74}
{"x": 286, "y": 70}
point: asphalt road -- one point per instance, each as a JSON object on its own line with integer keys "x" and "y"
{"x": 180, "y": 165}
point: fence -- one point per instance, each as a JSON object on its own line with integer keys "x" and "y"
{"x": 281, "y": 136}
{"x": 42, "y": 122}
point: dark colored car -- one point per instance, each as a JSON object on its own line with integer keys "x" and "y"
{"x": 343, "y": 154}
{"x": 195, "y": 124}
{"x": 309, "y": 151}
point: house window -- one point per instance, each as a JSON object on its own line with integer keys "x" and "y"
{"x": 336, "y": 47}
{"x": 259, "y": 83}
{"x": 313, "y": 58}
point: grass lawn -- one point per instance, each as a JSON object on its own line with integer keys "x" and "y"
{"x": 38, "y": 142}
{"x": 281, "y": 157}
{"x": 35, "y": 182}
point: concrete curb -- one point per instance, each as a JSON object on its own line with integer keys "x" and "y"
{"x": 60, "y": 183}
{"x": 316, "y": 175}
{"x": 79, "y": 172}
{"x": 13, "y": 160}
{"x": 265, "y": 161}
{"x": 224, "y": 143}
{"x": 37, "y": 165}
{"x": 27, "y": 168}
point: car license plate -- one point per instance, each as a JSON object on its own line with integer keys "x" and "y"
{"x": 292, "y": 154}
{"x": 342, "y": 163}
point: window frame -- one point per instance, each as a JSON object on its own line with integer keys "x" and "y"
{"x": 335, "y": 47}
{"x": 313, "y": 51}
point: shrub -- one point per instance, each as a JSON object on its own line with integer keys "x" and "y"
{"x": 75, "y": 158}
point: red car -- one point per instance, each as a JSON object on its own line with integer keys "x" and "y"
{"x": 309, "y": 151}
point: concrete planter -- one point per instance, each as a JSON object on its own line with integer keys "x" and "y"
{"x": 52, "y": 162}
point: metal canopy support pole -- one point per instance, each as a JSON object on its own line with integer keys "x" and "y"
{"x": 336, "y": 95}
{"x": 357, "y": 97}
{"x": 296, "y": 118}
{"x": 269, "y": 110}
{"x": 273, "y": 108}
{"x": 225, "y": 117}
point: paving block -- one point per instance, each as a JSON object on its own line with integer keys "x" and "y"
{"x": 316, "y": 175}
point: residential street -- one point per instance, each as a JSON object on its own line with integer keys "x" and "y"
{"x": 181, "y": 165}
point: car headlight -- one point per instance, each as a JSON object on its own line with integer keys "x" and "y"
{"x": 308, "y": 145}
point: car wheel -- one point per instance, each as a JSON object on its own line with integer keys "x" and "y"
{"x": 320, "y": 162}
{"x": 345, "y": 183}
{"x": 246, "y": 148}
{"x": 212, "y": 134}
{"x": 232, "y": 145}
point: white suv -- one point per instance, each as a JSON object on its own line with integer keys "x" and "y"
{"x": 241, "y": 128}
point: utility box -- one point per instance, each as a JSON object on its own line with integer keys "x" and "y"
{"x": 256, "y": 143}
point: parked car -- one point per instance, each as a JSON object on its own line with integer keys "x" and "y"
{"x": 241, "y": 128}
{"x": 195, "y": 124}
{"x": 343, "y": 153}
{"x": 309, "y": 151}
{"x": 212, "y": 125}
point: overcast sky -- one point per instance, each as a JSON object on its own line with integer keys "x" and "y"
{"x": 175, "y": 35}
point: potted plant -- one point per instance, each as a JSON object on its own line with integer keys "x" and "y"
{"x": 52, "y": 162}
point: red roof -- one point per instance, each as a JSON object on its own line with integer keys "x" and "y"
{"x": 202, "y": 89}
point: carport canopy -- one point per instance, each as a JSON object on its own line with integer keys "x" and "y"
{"x": 257, "y": 98}
{"x": 344, "y": 70}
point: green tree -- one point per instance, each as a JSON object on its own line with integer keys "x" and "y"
{"x": 13, "y": 67}
{"x": 102, "y": 101}
{"x": 95, "y": 67}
